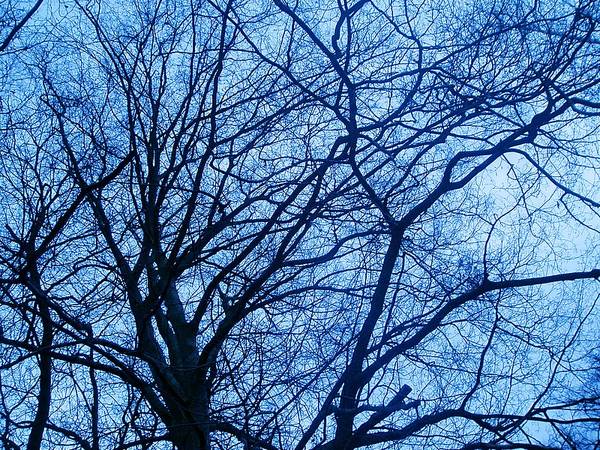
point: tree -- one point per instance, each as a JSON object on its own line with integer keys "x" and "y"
{"x": 13, "y": 23}
{"x": 278, "y": 225}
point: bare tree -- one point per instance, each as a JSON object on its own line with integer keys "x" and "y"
{"x": 284, "y": 225}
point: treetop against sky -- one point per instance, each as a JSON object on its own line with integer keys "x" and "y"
{"x": 299, "y": 225}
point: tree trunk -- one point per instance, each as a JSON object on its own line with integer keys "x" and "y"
{"x": 191, "y": 428}
{"x": 186, "y": 437}
{"x": 44, "y": 397}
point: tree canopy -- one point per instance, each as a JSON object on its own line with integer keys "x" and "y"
{"x": 282, "y": 224}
